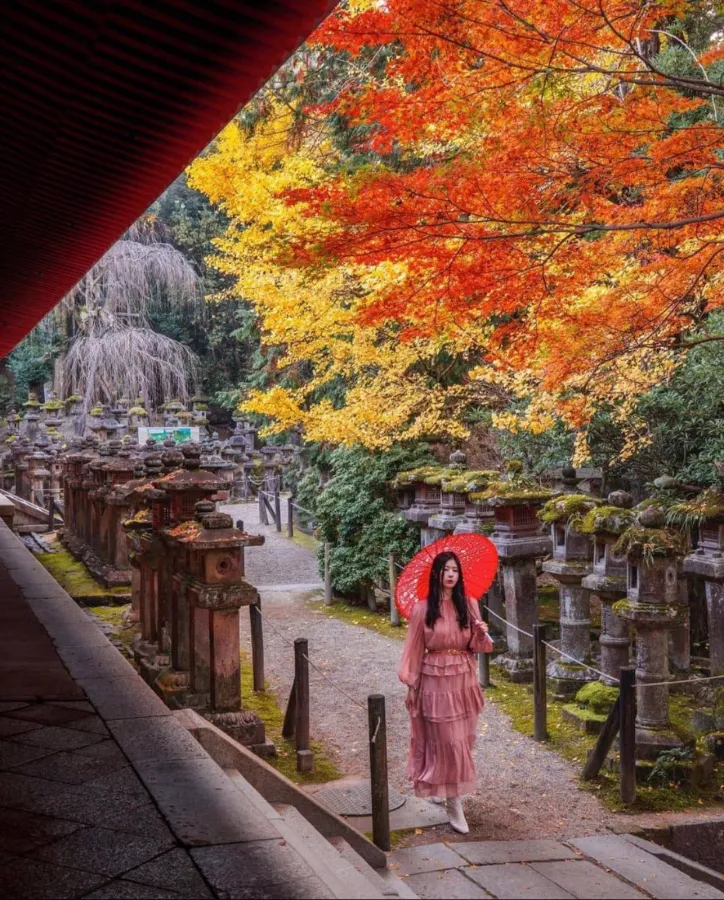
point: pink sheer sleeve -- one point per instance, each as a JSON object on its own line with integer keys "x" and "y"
{"x": 480, "y": 641}
{"x": 412, "y": 653}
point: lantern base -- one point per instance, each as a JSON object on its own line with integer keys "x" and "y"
{"x": 518, "y": 669}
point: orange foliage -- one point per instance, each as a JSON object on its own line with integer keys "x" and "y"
{"x": 540, "y": 171}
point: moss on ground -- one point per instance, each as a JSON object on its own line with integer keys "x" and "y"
{"x": 516, "y": 700}
{"x": 266, "y": 706}
{"x": 76, "y": 579}
{"x": 362, "y": 616}
{"x": 397, "y": 836}
{"x": 123, "y": 631}
{"x": 305, "y": 540}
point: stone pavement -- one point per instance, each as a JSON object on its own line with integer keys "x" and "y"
{"x": 596, "y": 868}
{"x": 103, "y": 792}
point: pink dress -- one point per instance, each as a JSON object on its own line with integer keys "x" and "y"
{"x": 443, "y": 721}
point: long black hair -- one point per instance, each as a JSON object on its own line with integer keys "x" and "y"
{"x": 434, "y": 594}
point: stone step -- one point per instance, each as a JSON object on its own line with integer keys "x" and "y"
{"x": 344, "y": 879}
{"x": 595, "y": 868}
{"x": 340, "y": 877}
{"x": 697, "y": 871}
{"x": 384, "y": 880}
{"x": 646, "y": 870}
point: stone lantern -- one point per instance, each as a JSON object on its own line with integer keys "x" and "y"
{"x": 55, "y": 465}
{"x": 21, "y": 451}
{"x": 606, "y": 524}
{"x": 571, "y": 562}
{"x": 452, "y": 495}
{"x": 31, "y": 418}
{"x": 199, "y": 409}
{"x": 246, "y": 433}
{"x": 122, "y": 471}
{"x": 214, "y": 589}
{"x": 426, "y": 482}
{"x": 707, "y": 561}
{"x": 184, "y": 488}
{"x": 652, "y": 608}
{"x": 404, "y": 489}
{"x": 519, "y": 539}
{"x": 137, "y": 416}
{"x": 38, "y": 477}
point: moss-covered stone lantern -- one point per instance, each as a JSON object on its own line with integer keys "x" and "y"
{"x": 707, "y": 512}
{"x": 605, "y": 525}
{"x": 571, "y": 562}
{"x": 652, "y": 608}
{"x": 519, "y": 539}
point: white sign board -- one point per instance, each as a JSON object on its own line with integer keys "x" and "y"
{"x": 181, "y": 434}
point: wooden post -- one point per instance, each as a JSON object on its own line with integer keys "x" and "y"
{"x": 540, "y": 712}
{"x": 277, "y": 510}
{"x": 256, "y": 624}
{"x": 290, "y": 516}
{"x": 627, "y": 736}
{"x": 262, "y": 509}
{"x": 51, "y": 513}
{"x": 378, "y": 771}
{"x": 327, "y": 574}
{"x": 290, "y": 716}
{"x": 305, "y": 758}
{"x": 483, "y": 658}
{"x": 394, "y": 611}
{"x": 597, "y": 755}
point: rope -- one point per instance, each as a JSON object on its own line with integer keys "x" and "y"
{"x": 555, "y": 649}
{"x": 303, "y": 509}
{"x": 316, "y": 668}
{"x": 643, "y": 684}
{"x": 579, "y": 663}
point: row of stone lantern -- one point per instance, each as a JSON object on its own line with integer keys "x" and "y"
{"x": 630, "y": 559}
{"x": 150, "y": 519}
{"x": 191, "y": 586}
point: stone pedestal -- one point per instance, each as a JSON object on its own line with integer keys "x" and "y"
{"x": 517, "y": 557}
{"x": 572, "y": 552}
{"x": 652, "y": 609}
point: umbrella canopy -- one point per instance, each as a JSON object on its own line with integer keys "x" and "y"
{"x": 478, "y": 558}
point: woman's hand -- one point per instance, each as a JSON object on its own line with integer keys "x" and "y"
{"x": 411, "y": 700}
{"x": 481, "y": 626}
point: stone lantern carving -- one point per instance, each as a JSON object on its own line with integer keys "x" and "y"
{"x": 652, "y": 608}
{"x": 707, "y": 561}
{"x": 519, "y": 539}
{"x": 605, "y": 525}
{"x": 571, "y": 562}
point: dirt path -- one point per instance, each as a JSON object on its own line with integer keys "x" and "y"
{"x": 524, "y": 790}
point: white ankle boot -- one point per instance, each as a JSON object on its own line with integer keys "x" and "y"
{"x": 455, "y": 814}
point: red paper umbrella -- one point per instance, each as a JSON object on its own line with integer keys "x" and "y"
{"x": 478, "y": 558}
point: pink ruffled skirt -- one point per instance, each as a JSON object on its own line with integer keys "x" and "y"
{"x": 443, "y": 727}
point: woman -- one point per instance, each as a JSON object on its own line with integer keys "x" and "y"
{"x": 444, "y": 699}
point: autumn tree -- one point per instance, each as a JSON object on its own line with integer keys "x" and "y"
{"x": 525, "y": 204}
{"x": 550, "y": 169}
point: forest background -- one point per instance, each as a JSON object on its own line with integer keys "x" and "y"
{"x": 485, "y": 225}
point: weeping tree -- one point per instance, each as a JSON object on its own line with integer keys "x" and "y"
{"x": 112, "y": 350}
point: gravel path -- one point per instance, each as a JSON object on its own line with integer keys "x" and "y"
{"x": 524, "y": 792}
